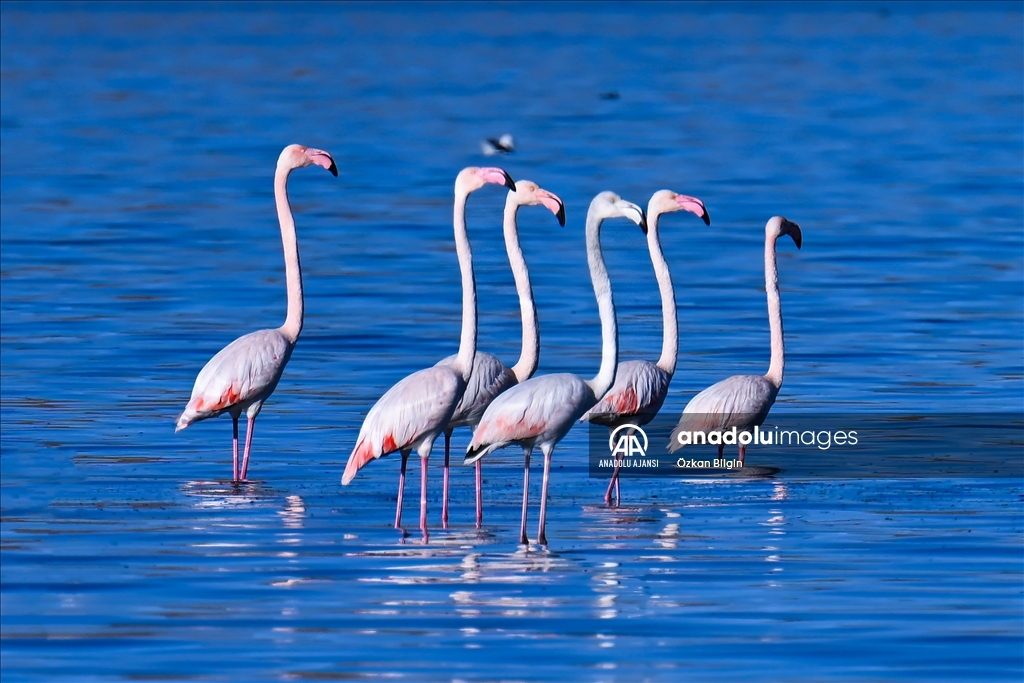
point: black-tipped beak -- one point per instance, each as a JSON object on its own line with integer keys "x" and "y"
{"x": 706, "y": 217}
{"x": 509, "y": 183}
{"x": 643, "y": 221}
{"x": 794, "y": 231}
{"x": 561, "y": 215}
{"x": 333, "y": 169}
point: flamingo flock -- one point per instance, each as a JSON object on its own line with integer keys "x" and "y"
{"x": 502, "y": 406}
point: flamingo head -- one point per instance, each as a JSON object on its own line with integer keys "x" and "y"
{"x": 666, "y": 201}
{"x": 528, "y": 193}
{"x": 299, "y": 156}
{"x": 473, "y": 178}
{"x": 778, "y": 226}
{"x": 611, "y": 205}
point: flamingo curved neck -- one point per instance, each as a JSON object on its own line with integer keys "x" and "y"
{"x": 467, "y": 344}
{"x": 293, "y": 271}
{"x": 771, "y": 286}
{"x": 670, "y": 323}
{"x": 530, "y": 355}
{"x": 605, "y": 306}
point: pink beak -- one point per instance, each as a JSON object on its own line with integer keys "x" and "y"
{"x": 694, "y": 206}
{"x": 553, "y": 203}
{"x": 498, "y": 177}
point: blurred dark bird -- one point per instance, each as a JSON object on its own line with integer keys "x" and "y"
{"x": 502, "y": 145}
{"x": 610, "y": 95}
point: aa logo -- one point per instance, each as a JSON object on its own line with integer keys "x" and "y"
{"x": 625, "y": 442}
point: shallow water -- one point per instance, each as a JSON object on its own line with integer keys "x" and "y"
{"x": 138, "y": 237}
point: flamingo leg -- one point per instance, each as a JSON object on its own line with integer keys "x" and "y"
{"x": 423, "y": 496}
{"x": 743, "y": 452}
{"x": 541, "y": 536}
{"x": 479, "y": 495}
{"x": 444, "y": 500}
{"x": 234, "y": 468}
{"x": 248, "y": 443}
{"x": 613, "y": 483}
{"x": 401, "y": 490}
{"x": 526, "y": 495}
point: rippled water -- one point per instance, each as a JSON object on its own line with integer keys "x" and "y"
{"x": 139, "y": 237}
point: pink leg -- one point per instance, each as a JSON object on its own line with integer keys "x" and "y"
{"x": 423, "y": 496}
{"x": 526, "y": 495}
{"x": 248, "y": 443}
{"x": 479, "y": 495}
{"x": 743, "y": 453}
{"x": 618, "y": 498}
{"x": 234, "y": 468}
{"x": 444, "y": 500}
{"x": 541, "y": 536}
{"x": 613, "y": 483}
{"x": 401, "y": 490}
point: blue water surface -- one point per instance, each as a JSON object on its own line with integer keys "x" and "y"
{"x": 138, "y": 237}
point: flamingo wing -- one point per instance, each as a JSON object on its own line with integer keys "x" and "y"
{"x": 639, "y": 391}
{"x": 741, "y": 401}
{"x": 415, "y": 409}
{"x": 245, "y": 371}
{"x": 489, "y": 378}
{"x": 541, "y": 409}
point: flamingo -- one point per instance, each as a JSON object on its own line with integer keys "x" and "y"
{"x": 542, "y": 410}
{"x": 411, "y": 414}
{"x": 743, "y": 401}
{"x": 641, "y": 386}
{"x": 243, "y": 375}
{"x": 489, "y": 377}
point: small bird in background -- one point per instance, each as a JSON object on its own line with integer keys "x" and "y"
{"x": 610, "y": 95}
{"x": 503, "y": 145}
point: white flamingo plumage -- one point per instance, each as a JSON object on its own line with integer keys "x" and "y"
{"x": 411, "y": 414}
{"x": 542, "y": 410}
{"x": 641, "y": 386}
{"x": 490, "y": 377}
{"x": 743, "y": 401}
{"x": 243, "y": 375}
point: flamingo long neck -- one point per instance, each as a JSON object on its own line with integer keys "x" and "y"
{"x": 293, "y": 271}
{"x": 605, "y": 306}
{"x": 771, "y": 286}
{"x": 467, "y": 344}
{"x": 530, "y": 354}
{"x": 670, "y": 335}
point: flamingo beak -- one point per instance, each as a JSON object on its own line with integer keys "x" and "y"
{"x": 793, "y": 230}
{"x": 323, "y": 160}
{"x": 553, "y": 203}
{"x": 632, "y": 212}
{"x": 498, "y": 176}
{"x": 694, "y": 206}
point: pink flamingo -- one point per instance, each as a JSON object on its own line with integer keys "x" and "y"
{"x": 413, "y": 412}
{"x": 641, "y": 386}
{"x": 245, "y": 372}
{"x": 542, "y": 410}
{"x": 743, "y": 401}
{"x": 490, "y": 377}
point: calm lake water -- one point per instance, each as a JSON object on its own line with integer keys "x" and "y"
{"x": 139, "y": 237}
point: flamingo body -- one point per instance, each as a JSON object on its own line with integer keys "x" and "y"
{"x": 636, "y": 397}
{"x": 409, "y": 416}
{"x": 239, "y": 378}
{"x": 740, "y": 401}
{"x": 489, "y": 378}
{"x": 538, "y": 412}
